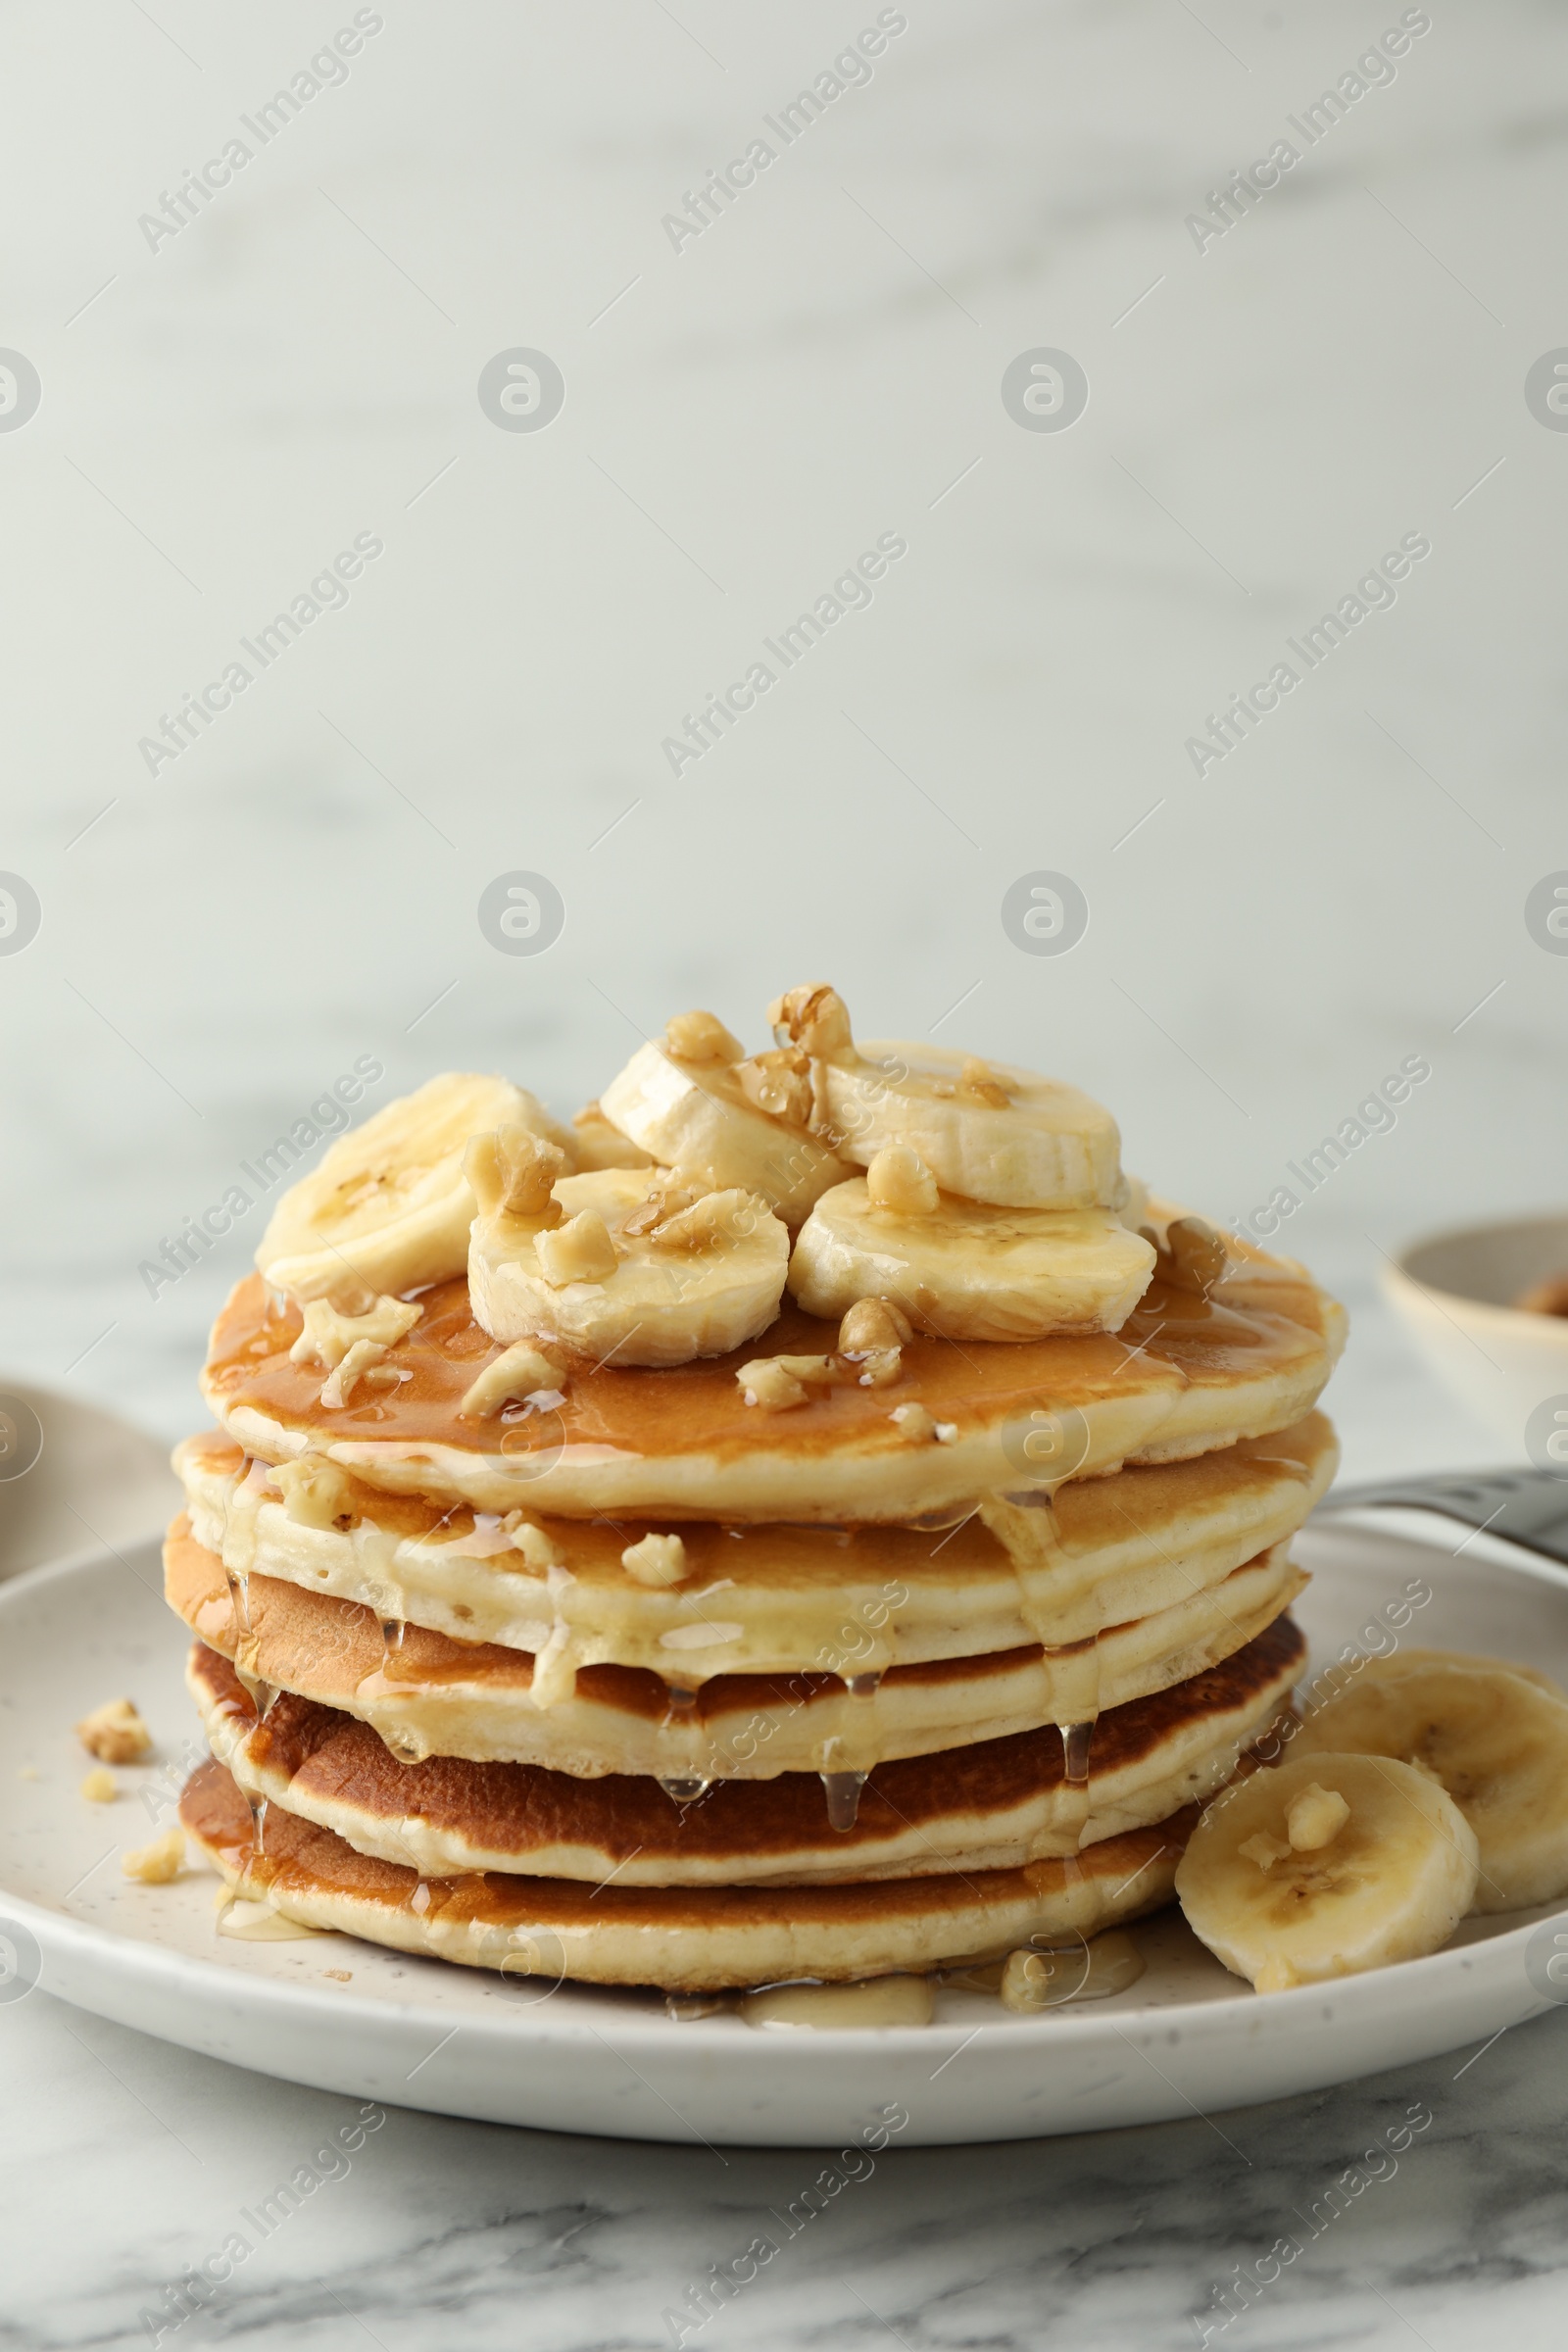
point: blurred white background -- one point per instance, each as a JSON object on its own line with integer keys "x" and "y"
{"x": 220, "y": 415}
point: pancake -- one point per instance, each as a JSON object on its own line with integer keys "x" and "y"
{"x": 771, "y": 1598}
{"x": 1185, "y": 1375}
{"x": 997, "y": 1804}
{"x": 682, "y": 1939}
{"x": 425, "y": 1694}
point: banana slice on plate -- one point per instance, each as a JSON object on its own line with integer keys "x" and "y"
{"x": 389, "y": 1204}
{"x": 696, "y": 1102}
{"x": 1494, "y": 1736}
{"x": 1325, "y": 1866}
{"x": 619, "y": 1263}
{"x": 1399, "y": 1661}
{"x": 985, "y": 1130}
{"x": 963, "y": 1269}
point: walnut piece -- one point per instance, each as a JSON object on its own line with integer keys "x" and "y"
{"x": 767, "y": 1384}
{"x": 316, "y": 1492}
{"x": 670, "y": 1192}
{"x": 100, "y": 1787}
{"x": 815, "y": 1018}
{"x": 340, "y": 1384}
{"x": 732, "y": 1215}
{"x": 329, "y": 1335}
{"x": 1263, "y": 1849}
{"x": 115, "y": 1733}
{"x": 899, "y": 1181}
{"x": 921, "y": 1428}
{"x": 776, "y": 1382}
{"x": 581, "y": 1250}
{"x": 537, "y": 1548}
{"x": 512, "y": 1171}
{"x": 700, "y": 1037}
{"x": 778, "y": 1083}
{"x": 873, "y": 1323}
{"x": 155, "y": 1864}
{"x": 1315, "y": 1819}
{"x": 657, "y": 1560}
{"x": 517, "y": 1371}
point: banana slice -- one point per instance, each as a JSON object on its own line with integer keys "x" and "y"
{"x": 694, "y": 1101}
{"x": 1325, "y": 1866}
{"x": 963, "y": 1269}
{"x": 389, "y": 1205}
{"x": 1399, "y": 1661}
{"x": 1494, "y": 1736}
{"x": 595, "y": 1143}
{"x": 985, "y": 1130}
{"x": 616, "y": 1263}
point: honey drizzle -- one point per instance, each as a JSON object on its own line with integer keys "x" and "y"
{"x": 843, "y": 1799}
{"x": 1073, "y": 1672}
{"x": 680, "y": 1713}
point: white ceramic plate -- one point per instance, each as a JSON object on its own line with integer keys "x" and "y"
{"x": 421, "y": 2033}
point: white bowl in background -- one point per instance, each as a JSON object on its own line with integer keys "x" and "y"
{"x": 1452, "y": 1291}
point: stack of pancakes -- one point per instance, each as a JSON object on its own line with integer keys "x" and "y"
{"x": 903, "y": 1692}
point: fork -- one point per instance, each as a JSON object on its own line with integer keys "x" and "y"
{"x": 1527, "y": 1508}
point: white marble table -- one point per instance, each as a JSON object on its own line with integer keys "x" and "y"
{"x": 126, "y": 2162}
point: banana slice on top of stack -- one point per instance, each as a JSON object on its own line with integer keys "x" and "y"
{"x": 696, "y": 1102}
{"x": 992, "y": 1207}
{"x": 389, "y": 1205}
{"x": 988, "y": 1206}
{"x": 985, "y": 1130}
{"x": 624, "y": 1262}
{"x": 965, "y": 1269}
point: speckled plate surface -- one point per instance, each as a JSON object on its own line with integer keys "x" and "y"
{"x": 347, "y": 2016}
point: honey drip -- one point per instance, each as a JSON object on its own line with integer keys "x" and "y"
{"x": 843, "y": 1799}
{"x": 684, "y": 1788}
{"x": 239, "y": 1601}
{"x": 258, "y": 1922}
{"x": 1075, "y": 1740}
{"x": 680, "y": 1707}
{"x": 682, "y": 2008}
{"x": 1073, "y": 1673}
{"x": 680, "y": 1714}
{"x": 262, "y": 1695}
{"x": 554, "y": 1666}
{"x": 864, "y": 1685}
{"x": 826, "y": 2008}
{"x": 242, "y": 1505}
